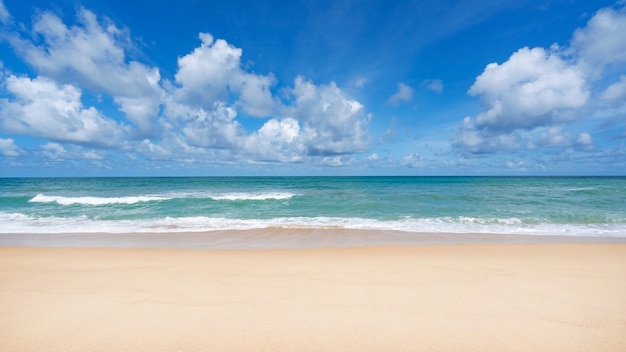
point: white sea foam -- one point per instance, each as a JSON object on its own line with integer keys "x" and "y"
{"x": 7, "y": 217}
{"x": 238, "y": 196}
{"x": 22, "y": 223}
{"x": 40, "y": 198}
{"x": 252, "y": 196}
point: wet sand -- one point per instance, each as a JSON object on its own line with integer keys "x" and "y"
{"x": 278, "y": 238}
{"x": 452, "y": 297}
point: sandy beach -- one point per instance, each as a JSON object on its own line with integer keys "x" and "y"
{"x": 455, "y": 297}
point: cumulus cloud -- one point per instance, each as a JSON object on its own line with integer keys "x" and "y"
{"x": 584, "y": 139}
{"x": 91, "y": 54}
{"x": 210, "y": 128}
{"x": 196, "y": 117}
{"x": 471, "y": 140}
{"x": 213, "y": 71}
{"x": 277, "y": 140}
{"x": 435, "y": 85}
{"x": 554, "y": 137}
{"x": 533, "y": 87}
{"x": 315, "y": 121}
{"x": 403, "y": 95}
{"x": 528, "y": 100}
{"x": 42, "y": 108}
{"x": 332, "y": 123}
{"x": 602, "y": 41}
{"x": 8, "y": 147}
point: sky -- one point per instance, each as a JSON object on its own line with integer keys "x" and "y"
{"x": 343, "y": 87}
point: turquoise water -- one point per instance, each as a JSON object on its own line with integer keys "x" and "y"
{"x": 576, "y": 206}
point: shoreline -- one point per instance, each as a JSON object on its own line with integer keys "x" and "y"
{"x": 279, "y": 238}
{"x": 488, "y": 297}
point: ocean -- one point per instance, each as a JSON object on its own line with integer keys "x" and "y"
{"x": 565, "y": 206}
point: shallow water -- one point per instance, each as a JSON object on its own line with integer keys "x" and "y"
{"x": 566, "y": 206}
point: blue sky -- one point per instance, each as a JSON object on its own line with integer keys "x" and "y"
{"x": 107, "y": 88}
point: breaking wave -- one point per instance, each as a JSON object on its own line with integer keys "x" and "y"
{"x": 252, "y": 196}
{"x": 23, "y": 223}
{"x": 40, "y": 198}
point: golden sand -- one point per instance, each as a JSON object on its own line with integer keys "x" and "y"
{"x": 462, "y": 297}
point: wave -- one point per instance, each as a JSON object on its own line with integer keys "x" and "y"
{"x": 253, "y": 196}
{"x": 23, "y": 223}
{"x": 62, "y": 200}
{"x": 40, "y": 198}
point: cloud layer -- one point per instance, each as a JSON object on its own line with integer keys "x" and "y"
{"x": 196, "y": 116}
{"x": 538, "y": 96}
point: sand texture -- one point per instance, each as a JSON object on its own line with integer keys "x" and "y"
{"x": 461, "y": 297}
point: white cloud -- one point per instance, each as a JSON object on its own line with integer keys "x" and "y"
{"x": 403, "y": 95}
{"x": 42, "y": 108}
{"x": 174, "y": 147}
{"x": 56, "y": 151}
{"x": 534, "y": 87}
{"x": 616, "y": 91}
{"x": 213, "y": 128}
{"x": 471, "y": 140}
{"x": 8, "y": 147}
{"x": 584, "y": 139}
{"x": 338, "y": 160}
{"x": 213, "y": 71}
{"x": 413, "y": 160}
{"x": 53, "y": 151}
{"x": 318, "y": 122}
{"x": 331, "y": 123}
{"x": 92, "y": 55}
{"x": 93, "y": 155}
{"x": 194, "y": 118}
{"x": 554, "y": 137}
{"x": 4, "y": 13}
{"x": 157, "y": 152}
{"x": 528, "y": 100}
{"x": 602, "y": 41}
{"x": 277, "y": 141}
{"x": 436, "y": 85}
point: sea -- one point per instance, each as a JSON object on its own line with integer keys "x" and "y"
{"x": 564, "y": 206}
